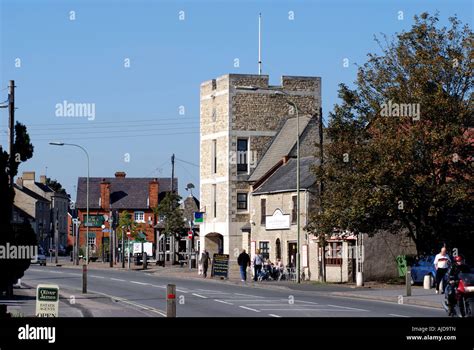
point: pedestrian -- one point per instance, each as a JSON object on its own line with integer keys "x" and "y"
{"x": 441, "y": 263}
{"x": 257, "y": 264}
{"x": 244, "y": 261}
{"x": 205, "y": 262}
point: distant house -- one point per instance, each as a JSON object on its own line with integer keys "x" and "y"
{"x": 58, "y": 204}
{"x": 136, "y": 195}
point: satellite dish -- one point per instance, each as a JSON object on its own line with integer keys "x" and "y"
{"x": 189, "y": 186}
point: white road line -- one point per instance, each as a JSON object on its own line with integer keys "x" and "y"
{"x": 309, "y": 310}
{"x": 396, "y": 315}
{"x": 348, "y": 308}
{"x": 248, "y": 295}
{"x": 97, "y": 276}
{"x": 249, "y": 308}
{"x": 181, "y": 291}
{"x": 223, "y": 302}
{"x": 273, "y": 315}
{"x": 154, "y": 285}
{"x": 141, "y": 283}
{"x": 244, "y": 300}
{"x": 199, "y": 295}
{"x": 117, "y": 279}
{"x": 55, "y": 272}
{"x": 306, "y": 302}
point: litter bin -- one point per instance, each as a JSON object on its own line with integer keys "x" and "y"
{"x": 402, "y": 265}
{"x": 137, "y": 259}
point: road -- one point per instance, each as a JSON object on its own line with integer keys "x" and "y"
{"x": 196, "y": 298}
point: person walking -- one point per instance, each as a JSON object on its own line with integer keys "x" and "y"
{"x": 257, "y": 264}
{"x": 244, "y": 261}
{"x": 205, "y": 262}
{"x": 441, "y": 263}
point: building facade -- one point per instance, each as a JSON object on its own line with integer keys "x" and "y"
{"x": 240, "y": 118}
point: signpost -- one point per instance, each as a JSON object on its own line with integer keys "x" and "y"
{"x": 220, "y": 265}
{"x": 47, "y": 300}
{"x": 198, "y": 217}
{"x": 190, "y": 234}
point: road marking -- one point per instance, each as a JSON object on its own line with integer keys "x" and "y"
{"x": 141, "y": 306}
{"x": 117, "y": 279}
{"x": 182, "y": 291}
{"x": 200, "y": 296}
{"x": 308, "y": 310}
{"x": 223, "y": 302}
{"x": 141, "y": 283}
{"x": 307, "y": 302}
{"x": 396, "y": 315}
{"x": 55, "y": 272}
{"x": 154, "y": 285}
{"x": 97, "y": 276}
{"x": 248, "y": 295}
{"x": 248, "y": 308}
{"x": 273, "y": 315}
{"x": 348, "y": 308}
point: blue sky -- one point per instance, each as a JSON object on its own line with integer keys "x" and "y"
{"x": 137, "y": 109}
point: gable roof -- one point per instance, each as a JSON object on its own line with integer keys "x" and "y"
{"x": 281, "y": 146}
{"x": 125, "y": 192}
{"x": 284, "y": 178}
{"x": 30, "y": 193}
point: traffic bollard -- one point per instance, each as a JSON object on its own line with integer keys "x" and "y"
{"x": 84, "y": 279}
{"x": 408, "y": 282}
{"x": 171, "y": 300}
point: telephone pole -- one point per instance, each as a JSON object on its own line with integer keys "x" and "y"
{"x": 172, "y": 173}
{"x": 11, "y": 128}
{"x": 321, "y": 188}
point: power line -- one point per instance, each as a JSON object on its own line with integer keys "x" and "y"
{"x": 108, "y": 132}
{"x": 184, "y": 161}
{"x": 114, "y": 121}
{"x": 127, "y": 136}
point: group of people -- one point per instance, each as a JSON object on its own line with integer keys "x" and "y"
{"x": 443, "y": 264}
{"x": 259, "y": 264}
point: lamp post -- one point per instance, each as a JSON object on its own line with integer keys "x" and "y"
{"x": 87, "y": 192}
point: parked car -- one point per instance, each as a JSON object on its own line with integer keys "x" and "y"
{"x": 62, "y": 250}
{"x": 422, "y": 267}
{"x": 40, "y": 258}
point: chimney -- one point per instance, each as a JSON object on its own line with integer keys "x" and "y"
{"x": 153, "y": 191}
{"x": 120, "y": 174}
{"x": 105, "y": 194}
{"x": 29, "y": 176}
{"x": 43, "y": 179}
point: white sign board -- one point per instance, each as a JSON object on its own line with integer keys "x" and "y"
{"x": 277, "y": 221}
{"x": 47, "y": 300}
{"x": 148, "y": 247}
{"x": 304, "y": 255}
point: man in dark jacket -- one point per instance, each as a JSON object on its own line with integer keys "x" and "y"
{"x": 205, "y": 259}
{"x": 244, "y": 261}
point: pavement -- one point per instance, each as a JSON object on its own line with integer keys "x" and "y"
{"x": 143, "y": 293}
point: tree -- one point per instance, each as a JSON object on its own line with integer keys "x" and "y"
{"x": 402, "y": 141}
{"x": 56, "y": 186}
{"x": 14, "y": 234}
{"x": 126, "y": 223}
{"x": 172, "y": 216}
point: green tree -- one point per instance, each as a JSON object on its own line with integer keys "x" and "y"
{"x": 126, "y": 223}
{"x": 410, "y": 171}
{"x": 171, "y": 215}
{"x": 14, "y": 234}
{"x": 56, "y": 186}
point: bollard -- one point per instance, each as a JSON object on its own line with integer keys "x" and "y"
{"x": 359, "y": 279}
{"x": 84, "y": 279}
{"x": 171, "y": 300}
{"x": 427, "y": 282}
{"x": 145, "y": 261}
{"x": 408, "y": 282}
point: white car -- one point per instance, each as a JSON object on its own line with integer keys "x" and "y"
{"x": 40, "y": 258}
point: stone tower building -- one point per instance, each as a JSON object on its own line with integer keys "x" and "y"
{"x": 241, "y": 116}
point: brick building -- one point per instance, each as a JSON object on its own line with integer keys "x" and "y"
{"x": 137, "y": 196}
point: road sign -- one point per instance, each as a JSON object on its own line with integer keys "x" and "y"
{"x": 190, "y": 234}
{"x": 47, "y": 300}
{"x": 128, "y": 233}
{"x": 198, "y": 217}
{"x": 105, "y": 230}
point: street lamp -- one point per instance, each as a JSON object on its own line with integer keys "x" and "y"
{"x": 87, "y": 192}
